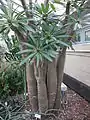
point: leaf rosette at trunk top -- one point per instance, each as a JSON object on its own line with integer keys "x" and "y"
{"x": 45, "y": 34}
{"x": 12, "y": 19}
{"x": 47, "y": 38}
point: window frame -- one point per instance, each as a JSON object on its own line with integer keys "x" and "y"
{"x": 85, "y": 35}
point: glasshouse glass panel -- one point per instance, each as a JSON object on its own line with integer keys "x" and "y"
{"x": 87, "y": 35}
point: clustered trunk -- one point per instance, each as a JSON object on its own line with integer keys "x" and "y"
{"x": 31, "y": 86}
{"x": 59, "y": 69}
{"x": 44, "y": 81}
{"x": 51, "y": 83}
{"x": 40, "y": 74}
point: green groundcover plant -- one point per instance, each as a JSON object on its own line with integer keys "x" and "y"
{"x": 11, "y": 80}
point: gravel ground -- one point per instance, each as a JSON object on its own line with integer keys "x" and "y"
{"x": 75, "y": 108}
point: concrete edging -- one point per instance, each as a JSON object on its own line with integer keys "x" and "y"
{"x": 79, "y": 87}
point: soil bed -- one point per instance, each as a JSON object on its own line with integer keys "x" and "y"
{"x": 75, "y": 108}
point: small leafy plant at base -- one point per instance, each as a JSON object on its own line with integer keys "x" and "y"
{"x": 11, "y": 81}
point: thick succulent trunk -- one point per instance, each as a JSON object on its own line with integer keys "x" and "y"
{"x": 51, "y": 83}
{"x": 61, "y": 62}
{"x": 60, "y": 72}
{"x": 40, "y": 73}
{"x": 31, "y": 86}
{"x": 30, "y": 77}
{"x": 44, "y": 83}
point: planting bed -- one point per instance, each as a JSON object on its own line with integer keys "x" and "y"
{"x": 75, "y": 107}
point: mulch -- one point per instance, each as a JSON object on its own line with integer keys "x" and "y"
{"x": 75, "y": 107}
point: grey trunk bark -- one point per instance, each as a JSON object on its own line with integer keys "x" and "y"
{"x": 32, "y": 87}
{"x": 60, "y": 72}
{"x": 51, "y": 83}
{"x": 40, "y": 73}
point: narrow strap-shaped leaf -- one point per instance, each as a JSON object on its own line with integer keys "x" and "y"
{"x": 28, "y": 45}
{"x": 27, "y": 58}
{"x": 45, "y": 55}
{"x": 62, "y": 36}
{"x": 31, "y": 36}
{"x": 43, "y": 7}
{"x": 27, "y": 27}
{"x": 1, "y": 118}
{"x": 41, "y": 57}
{"x": 55, "y": 52}
{"x": 63, "y": 43}
{"x": 25, "y": 51}
{"x": 52, "y": 6}
{"x": 47, "y": 8}
{"x": 52, "y": 53}
{"x": 38, "y": 8}
{"x": 37, "y": 59}
{"x": 17, "y": 16}
{"x": 48, "y": 45}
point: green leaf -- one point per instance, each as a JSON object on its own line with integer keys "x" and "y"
{"x": 50, "y": 12}
{"x": 2, "y": 30}
{"x": 38, "y": 8}
{"x": 7, "y": 30}
{"x": 53, "y": 53}
{"x": 45, "y": 55}
{"x": 25, "y": 51}
{"x": 48, "y": 45}
{"x": 19, "y": 15}
{"x": 63, "y": 43}
{"x": 28, "y": 45}
{"x": 27, "y": 58}
{"x": 32, "y": 37}
{"x": 43, "y": 7}
{"x": 15, "y": 24}
{"x": 47, "y": 8}
{"x": 1, "y": 118}
{"x": 3, "y": 8}
{"x": 37, "y": 59}
{"x": 62, "y": 36}
{"x": 41, "y": 57}
{"x": 27, "y": 27}
{"x": 72, "y": 18}
{"x": 52, "y": 6}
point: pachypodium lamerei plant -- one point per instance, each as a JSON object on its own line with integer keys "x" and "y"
{"x": 44, "y": 38}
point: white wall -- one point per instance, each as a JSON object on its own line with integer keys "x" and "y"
{"x": 77, "y": 63}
